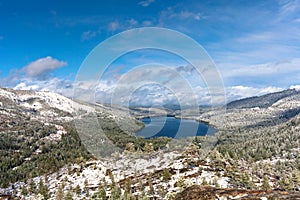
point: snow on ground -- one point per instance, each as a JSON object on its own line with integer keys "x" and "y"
{"x": 52, "y": 100}
{"x": 130, "y": 165}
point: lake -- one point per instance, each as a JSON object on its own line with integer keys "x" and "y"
{"x": 173, "y": 127}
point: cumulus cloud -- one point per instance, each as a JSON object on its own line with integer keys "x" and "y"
{"x": 153, "y": 94}
{"x": 37, "y": 75}
{"x": 145, "y": 86}
{"x": 146, "y": 95}
{"x": 61, "y": 86}
{"x": 43, "y": 66}
{"x": 240, "y": 91}
{"x": 296, "y": 87}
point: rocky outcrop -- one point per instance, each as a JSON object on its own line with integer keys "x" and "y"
{"x": 211, "y": 193}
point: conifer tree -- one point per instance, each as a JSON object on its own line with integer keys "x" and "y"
{"x": 265, "y": 184}
{"x": 59, "y": 195}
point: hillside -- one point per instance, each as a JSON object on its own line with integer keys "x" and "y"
{"x": 276, "y": 108}
{"x": 263, "y": 101}
{"x": 36, "y": 127}
{"x": 42, "y": 153}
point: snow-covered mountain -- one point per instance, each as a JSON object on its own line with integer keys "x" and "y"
{"x": 42, "y": 156}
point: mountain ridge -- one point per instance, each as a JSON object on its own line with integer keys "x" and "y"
{"x": 262, "y": 101}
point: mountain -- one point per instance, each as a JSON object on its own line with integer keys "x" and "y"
{"x": 263, "y": 101}
{"x": 266, "y": 110}
{"x": 38, "y": 134}
{"x": 44, "y": 154}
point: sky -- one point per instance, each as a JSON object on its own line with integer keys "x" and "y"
{"x": 255, "y": 45}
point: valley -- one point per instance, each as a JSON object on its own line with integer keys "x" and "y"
{"x": 253, "y": 155}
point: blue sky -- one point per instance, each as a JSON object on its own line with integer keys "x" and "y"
{"x": 255, "y": 44}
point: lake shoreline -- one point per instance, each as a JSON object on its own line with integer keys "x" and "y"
{"x": 174, "y": 127}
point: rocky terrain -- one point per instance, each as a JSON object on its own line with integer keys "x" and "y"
{"x": 254, "y": 154}
{"x": 210, "y": 193}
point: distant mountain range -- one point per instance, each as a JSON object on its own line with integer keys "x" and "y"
{"x": 263, "y": 101}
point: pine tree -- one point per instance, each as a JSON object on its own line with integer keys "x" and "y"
{"x": 130, "y": 147}
{"x": 77, "y": 190}
{"x": 69, "y": 169}
{"x": 166, "y": 175}
{"x": 148, "y": 147}
{"x": 86, "y": 188}
{"x": 102, "y": 193}
{"x": 151, "y": 190}
{"x": 68, "y": 196}
{"x": 265, "y": 184}
{"x": 24, "y": 191}
{"x": 115, "y": 193}
{"x": 204, "y": 182}
{"x": 59, "y": 195}
{"x": 32, "y": 186}
{"x": 127, "y": 188}
{"x": 43, "y": 190}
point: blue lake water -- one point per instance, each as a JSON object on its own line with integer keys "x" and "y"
{"x": 173, "y": 127}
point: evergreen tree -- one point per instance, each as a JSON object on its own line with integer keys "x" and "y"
{"x": 127, "y": 188}
{"x": 148, "y": 147}
{"x": 24, "y": 190}
{"x": 151, "y": 190}
{"x": 265, "y": 184}
{"x": 102, "y": 193}
{"x": 204, "y": 182}
{"x": 115, "y": 193}
{"x": 32, "y": 186}
{"x": 77, "y": 190}
{"x": 86, "y": 188}
{"x": 68, "y": 196}
{"x": 41, "y": 187}
{"x": 166, "y": 175}
{"x": 59, "y": 195}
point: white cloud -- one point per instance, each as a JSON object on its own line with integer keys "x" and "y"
{"x": 147, "y": 95}
{"x": 43, "y": 66}
{"x": 146, "y": 3}
{"x": 173, "y": 14}
{"x": 296, "y": 87}
{"x": 153, "y": 94}
{"x": 87, "y": 35}
{"x": 147, "y": 23}
{"x": 61, "y": 86}
{"x": 268, "y": 69}
{"x": 239, "y": 92}
{"x": 187, "y": 15}
{"x": 132, "y": 22}
{"x": 258, "y": 37}
{"x": 122, "y": 25}
{"x": 288, "y": 7}
{"x": 113, "y": 26}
